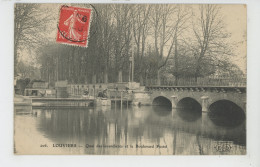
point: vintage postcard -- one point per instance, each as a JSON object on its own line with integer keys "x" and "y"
{"x": 130, "y": 79}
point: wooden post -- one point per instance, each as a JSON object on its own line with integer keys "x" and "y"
{"x": 133, "y": 65}
{"x": 127, "y": 102}
{"x": 115, "y": 97}
{"x": 121, "y": 99}
{"x": 94, "y": 92}
{"x": 129, "y": 79}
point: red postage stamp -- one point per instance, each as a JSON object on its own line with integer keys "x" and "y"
{"x": 73, "y": 27}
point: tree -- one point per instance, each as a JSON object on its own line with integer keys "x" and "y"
{"x": 198, "y": 45}
{"x": 27, "y": 71}
{"x": 141, "y": 27}
{"x": 106, "y": 36}
{"x": 165, "y": 32}
{"x": 150, "y": 62}
{"x": 21, "y": 85}
{"x": 210, "y": 44}
{"x": 30, "y": 21}
{"x": 123, "y": 37}
{"x": 183, "y": 16}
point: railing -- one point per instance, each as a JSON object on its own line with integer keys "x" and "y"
{"x": 62, "y": 102}
{"x": 93, "y": 89}
{"x": 119, "y": 94}
{"x": 203, "y": 81}
{"x": 77, "y": 90}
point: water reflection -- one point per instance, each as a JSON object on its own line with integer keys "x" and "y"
{"x": 226, "y": 113}
{"x": 162, "y": 110}
{"x": 188, "y": 114}
{"x": 170, "y": 132}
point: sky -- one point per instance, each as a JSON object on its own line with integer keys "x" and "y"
{"x": 236, "y": 23}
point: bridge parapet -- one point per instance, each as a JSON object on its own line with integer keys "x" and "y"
{"x": 217, "y": 89}
{"x": 204, "y": 95}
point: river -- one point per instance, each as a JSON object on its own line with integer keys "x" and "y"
{"x": 144, "y": 130}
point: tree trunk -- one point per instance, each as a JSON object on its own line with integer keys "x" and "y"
{"x": 120, "y": 76}
{"x": 141, "y": 80}
{"x": 105, "y": 77}
{"x": 196, "y": 79}
{"x": 176, "y": 81}
{"x": 146, "y": 80}
{"x": 94, "y": 79}
{"x": 158, "y": 78}
{"x": 86, "y": 80}
{"x": 15, "y": 60}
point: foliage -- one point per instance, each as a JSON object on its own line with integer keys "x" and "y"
{"x": 167, "y": 41}
{"x": 21, "y": 84}
{"x": 30, "y": 24}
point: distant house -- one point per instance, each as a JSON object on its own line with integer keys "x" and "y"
{"x": 40, "y": 85}
{"x": 37, "y": 88}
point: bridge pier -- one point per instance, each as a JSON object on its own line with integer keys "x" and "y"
{"x": 174, "y": 101}
{"x": 174, "y": 105}
{"x": 205, "y": 104}
{"x": 205, "y": 110}
{"x": 244, "y": 106}
{"x": 174, "y": 112}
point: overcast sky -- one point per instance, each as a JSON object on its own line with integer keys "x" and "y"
{"x": 236, "y": 21}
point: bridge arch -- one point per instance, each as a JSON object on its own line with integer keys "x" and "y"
{"x": 189, "y": 103}
{"x": 161, "y": 101}
{"x": 189, "y": 109}
{"x": 226, "y": 113}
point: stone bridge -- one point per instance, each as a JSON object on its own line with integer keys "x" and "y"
{"x": 203, "y": 97}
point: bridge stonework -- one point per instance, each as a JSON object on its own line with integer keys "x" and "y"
{"x": 205, "y": 96}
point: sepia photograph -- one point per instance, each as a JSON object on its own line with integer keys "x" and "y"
{"x": 130, "y": 79}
